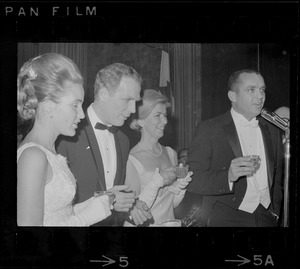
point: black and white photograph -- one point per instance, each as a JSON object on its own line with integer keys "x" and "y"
{"x": 149, "y": 135}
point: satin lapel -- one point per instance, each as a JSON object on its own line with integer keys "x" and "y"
{"x": 233, "y": 138}
{"x": 268, "y": 151}
{"x": 96, "y": 153}
{"x": 118, "y": 179}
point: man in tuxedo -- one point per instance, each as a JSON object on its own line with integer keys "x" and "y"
{"x": 98, "y": 154}
{"x": 237, "y": 192}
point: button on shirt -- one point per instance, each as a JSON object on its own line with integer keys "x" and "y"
{"x": 106, "y": 143}
{"x": 252, "y": 144}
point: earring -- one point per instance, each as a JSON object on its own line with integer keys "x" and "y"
{"x": 140, "y": 123}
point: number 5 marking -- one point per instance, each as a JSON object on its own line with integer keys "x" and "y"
{"x": 124, "y": 261}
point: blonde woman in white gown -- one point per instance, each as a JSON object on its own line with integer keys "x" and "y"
{"x": 50, "y": 94}
{"x": 151, "y": 166}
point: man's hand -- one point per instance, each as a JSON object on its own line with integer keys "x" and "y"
{"x": 241, "y": 166}
{"x": 140, "y": 212}
{"x": 123, "y": 200}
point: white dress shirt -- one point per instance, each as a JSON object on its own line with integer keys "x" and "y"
{"x": 252, "y": 144}
{"x": 106, "y": 143}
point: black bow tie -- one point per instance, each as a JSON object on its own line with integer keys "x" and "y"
{"x": 112, "y": 129}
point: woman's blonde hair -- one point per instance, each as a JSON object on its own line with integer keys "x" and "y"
{"x": 150, "y": 99}
{"x": 41, "y": 79}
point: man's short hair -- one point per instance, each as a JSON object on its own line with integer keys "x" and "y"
{"x": 110, "y": 76}
{"x": 234, "y": 77}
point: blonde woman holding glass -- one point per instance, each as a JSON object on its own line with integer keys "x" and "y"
{"x": 50, "y": 94}
{"x": 151, "y": 167}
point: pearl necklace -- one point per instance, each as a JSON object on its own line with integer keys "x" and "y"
{"x": 152, "y": 151}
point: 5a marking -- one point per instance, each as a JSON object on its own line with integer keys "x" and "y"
{"x": 258, "y": 260}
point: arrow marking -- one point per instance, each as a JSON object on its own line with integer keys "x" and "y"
{"x": 108, "y": 261}
{"x": 242, "y": 262}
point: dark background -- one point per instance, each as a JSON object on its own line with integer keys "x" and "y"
{"x": 218, "y": 61}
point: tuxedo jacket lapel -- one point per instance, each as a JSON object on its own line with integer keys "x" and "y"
{"x": 232, "y": 136}
{"x": 118, "y": 178}
{"x": 96, "y": 153}
{"x": 268, "y": 151}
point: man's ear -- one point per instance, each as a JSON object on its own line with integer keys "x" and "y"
{"x": 232, "y": 96}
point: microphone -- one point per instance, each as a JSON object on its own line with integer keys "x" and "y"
{"x": 275, "y": 119}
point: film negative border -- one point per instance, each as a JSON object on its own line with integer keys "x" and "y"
{"x": 149, "y": 248}
{"x": 143, "y": 247}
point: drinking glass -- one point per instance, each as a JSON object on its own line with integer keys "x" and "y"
{"x": 255, "y": 159}
{"x": 182, "y": 170}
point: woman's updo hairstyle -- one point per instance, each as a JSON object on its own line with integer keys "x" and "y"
{"x": 41, "y": 79}
{"x": 150, "y": 99}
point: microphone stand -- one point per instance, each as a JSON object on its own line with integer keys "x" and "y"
{"x": 282, "y": 124}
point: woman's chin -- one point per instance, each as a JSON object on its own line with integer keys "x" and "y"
{"x": 70, "y": 133}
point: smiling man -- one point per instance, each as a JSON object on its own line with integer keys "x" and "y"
{"x": 236, "y": 191}
{"x": 97, "y": 156}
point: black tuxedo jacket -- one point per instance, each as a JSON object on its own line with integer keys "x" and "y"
{"x": 214, "y": 145}
{"x": 85, "y": 161}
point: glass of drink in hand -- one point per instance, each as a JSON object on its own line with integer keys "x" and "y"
{"x": 111, "y": 195}
{"x": 255, "y": 159}
{"x": 182, "y": 170}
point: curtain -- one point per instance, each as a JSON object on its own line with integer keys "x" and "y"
{"x": 186, "y": 86}
{"x": 75, "y": 51}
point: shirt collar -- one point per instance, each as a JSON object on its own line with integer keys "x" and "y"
{"x": 237, "y": 117}
{"x": 93, "y": 116}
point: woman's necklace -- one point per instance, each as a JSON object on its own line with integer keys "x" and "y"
{"x": 153, "y": 152}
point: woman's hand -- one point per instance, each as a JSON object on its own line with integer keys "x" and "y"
{"x": 168, "y": 175}
{"x": 183, "y": 182}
